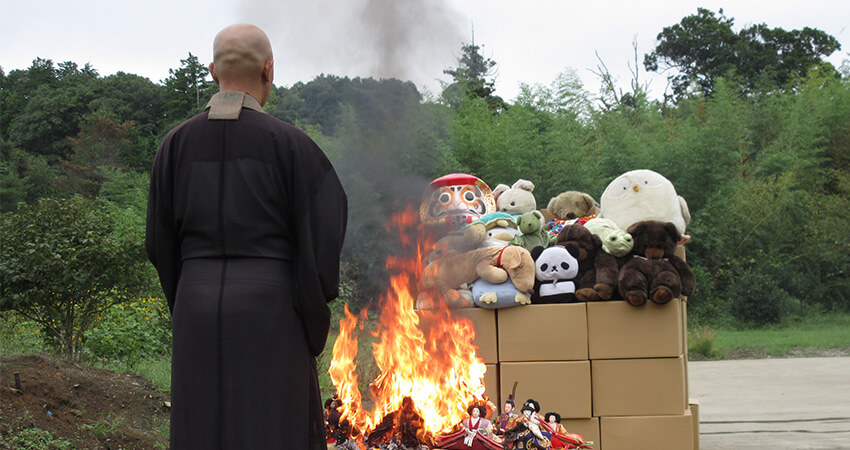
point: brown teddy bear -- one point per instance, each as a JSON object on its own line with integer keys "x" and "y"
{"x": 493, "y": 264}
{"x": 653, "y": 270}
{"x": 572, "y": 205}
{"x": 597, "y": 272}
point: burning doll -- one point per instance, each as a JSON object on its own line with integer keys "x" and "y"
{"x": 453, "y": 201}
{"x": 530, "y": 432}
{"x": 475, "y": 433}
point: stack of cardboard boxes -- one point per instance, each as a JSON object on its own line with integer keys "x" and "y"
{"x": 617, "y": 374}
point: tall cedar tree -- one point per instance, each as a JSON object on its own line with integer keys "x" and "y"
{"x": 473, "y": 78}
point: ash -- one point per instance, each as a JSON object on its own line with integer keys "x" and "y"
{"x": 397, "y": 446}
{"x": 351, "y": 444}
{"x": 348, "y": 444}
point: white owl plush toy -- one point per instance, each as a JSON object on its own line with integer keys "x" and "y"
{"x": 640, "y": 195}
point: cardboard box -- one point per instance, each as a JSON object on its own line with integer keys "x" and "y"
{"x": 543, "y": 333}
{"x": 638, "y": 387}
{"x": 484, "y": 322}
{"x": 619, "y": 330}
{"x": 680, "y": 252}
{"x": 491, "y": 383}
{"x": 693, "y": 407}
{"x": 685, "y": 343}
{"x": 647, "y": 432}
{"x": 560, "y": 386}
{"x": 589, "y": 428}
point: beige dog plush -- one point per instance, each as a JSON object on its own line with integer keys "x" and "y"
{"x": 493, "y": 264}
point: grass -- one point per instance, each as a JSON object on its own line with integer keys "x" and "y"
{"x": 105, "y": 427}
{"x": 803, "y": 336}
{"x": 157, "y": 370}
{"x": 36, "y": 439}
{"x": 23, "y": 435}
{"x": 701, "y": 342}
{"x": 19, "y": 336}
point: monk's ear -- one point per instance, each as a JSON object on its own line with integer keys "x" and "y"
{"x": 268, "y": 71}
{"x": 212, "y": 72}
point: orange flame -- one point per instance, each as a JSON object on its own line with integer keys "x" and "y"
{"x": 433, "y": 361}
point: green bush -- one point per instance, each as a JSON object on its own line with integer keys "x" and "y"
{"x": 64, "y": 262}
{"x": 132, "y": 331}
{"x": 757, "y": 300}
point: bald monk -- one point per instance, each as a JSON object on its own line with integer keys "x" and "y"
{"x": 245, "y": 223}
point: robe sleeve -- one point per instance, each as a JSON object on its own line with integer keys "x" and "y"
{"x": 160, "y": 231}
{"x": 320, "y": 222}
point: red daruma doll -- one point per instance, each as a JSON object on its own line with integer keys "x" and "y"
{"x": 453, "y": 201}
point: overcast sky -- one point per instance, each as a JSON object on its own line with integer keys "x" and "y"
{"x": 532, "y": 41}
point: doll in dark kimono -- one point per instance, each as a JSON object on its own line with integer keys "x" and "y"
{"x": 530, "y": 432}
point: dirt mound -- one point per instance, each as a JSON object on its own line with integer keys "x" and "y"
{"x": 95, "y": 408}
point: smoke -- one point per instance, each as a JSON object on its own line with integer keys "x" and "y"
{"x": 382, "y": 159}
{"x": 406, "y": 39}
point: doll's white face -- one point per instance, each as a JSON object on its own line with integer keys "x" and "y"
{"x": 508, "y": 408}
{"x": 552, "y": 419}
{"x": 526, "y": 413}
{"x": 475, "y": 413}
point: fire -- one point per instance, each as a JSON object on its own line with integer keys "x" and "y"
{"x": 433, "y": 361}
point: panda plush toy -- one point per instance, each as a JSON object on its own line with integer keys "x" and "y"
{"x": 555, "y": 269}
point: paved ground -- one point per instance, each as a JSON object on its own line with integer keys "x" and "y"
{"x": 794, "y": 403}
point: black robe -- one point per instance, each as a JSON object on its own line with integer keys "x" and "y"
{"x": 246, "y": 219}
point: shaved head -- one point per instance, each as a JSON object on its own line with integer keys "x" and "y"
{"x": 243, "y": 60}
{"x": 240, "y": 51}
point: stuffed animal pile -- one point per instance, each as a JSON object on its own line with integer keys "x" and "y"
{"x": 497, "y": 250}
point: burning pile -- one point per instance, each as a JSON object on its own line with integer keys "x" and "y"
{"x": 428, "y": 374}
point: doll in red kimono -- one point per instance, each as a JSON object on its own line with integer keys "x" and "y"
{"x": 475, "y": 433}
{"x": 561, "y": 438}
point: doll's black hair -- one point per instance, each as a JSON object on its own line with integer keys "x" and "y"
{"x": 531, "y": 405}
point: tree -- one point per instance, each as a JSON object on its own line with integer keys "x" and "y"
{"x": 24, "y": 177}
{"x": 703, "y": 47}
{"x": 17, "y": 87}
{"x": 102, "y": 141}
{"x": 472, "y": 79}
{"x": 611, "y": 97}
{"x": 131, "y": 98}
{"x": 283, "y": 103}
{"x": 322, "y": 101}
{"x": 189, "y": 89}
{"x": 64, "y": 263}
{"x": 51, "y": 111}
{"x": 565, "y": 97}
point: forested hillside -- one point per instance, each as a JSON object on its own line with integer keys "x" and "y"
{"x": 761, "y": 154}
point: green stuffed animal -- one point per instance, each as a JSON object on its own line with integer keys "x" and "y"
{"x": 614, "y": 240}
{"x": 533, "y": 235}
